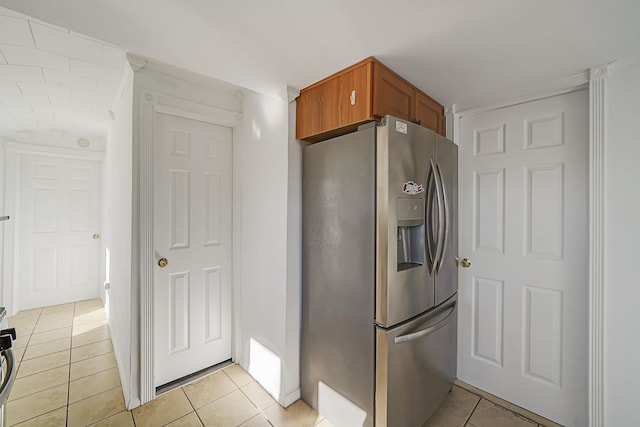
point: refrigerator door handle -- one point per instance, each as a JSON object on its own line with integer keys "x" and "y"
{"x": 421, "y": 333}
{"x": 444, "y": 219}
{"x": 429, "y": 220}
{"x": 440, "y": 224}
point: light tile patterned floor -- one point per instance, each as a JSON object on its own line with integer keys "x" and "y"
{"x": 67, "y": 376}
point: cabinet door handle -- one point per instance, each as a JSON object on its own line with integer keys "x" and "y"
{"x": 352, "y": 97}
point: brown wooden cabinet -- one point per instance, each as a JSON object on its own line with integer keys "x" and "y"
{"x": 361, "y": 93}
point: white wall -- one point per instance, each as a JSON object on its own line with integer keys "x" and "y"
{"x": 269, "y": 317}
{"x": 116, "y": 233}
{"x": 622, "y": 234}
{"x": 3, "y": 298}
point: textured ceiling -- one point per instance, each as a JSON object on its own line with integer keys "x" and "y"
{"x": 54, "y": 83}
{"x": 455, "y": 50}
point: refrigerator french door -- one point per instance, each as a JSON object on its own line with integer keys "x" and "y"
{"x": 379, "y": 276}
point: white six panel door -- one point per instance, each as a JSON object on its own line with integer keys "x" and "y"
{"x": 523, "y": 223}
{"x": 192, "y": 230}
{"x": 59, "y": 202}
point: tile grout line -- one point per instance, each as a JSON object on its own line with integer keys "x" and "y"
{"x": 468, "y": 419}
{"x": 66, "y": 420}
{"x": 260, "y": 411}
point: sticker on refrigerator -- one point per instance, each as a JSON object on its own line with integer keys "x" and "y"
{"x": 401, "y": 127}
{"x": 412, "y": 188}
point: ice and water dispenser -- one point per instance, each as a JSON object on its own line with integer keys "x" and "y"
{"x": 411, "y": 232}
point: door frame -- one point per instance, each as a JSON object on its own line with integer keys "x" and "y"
{"x": 595, "y": 80}
{"x": 150, "y": 103}
{"x": 13, "y": 161}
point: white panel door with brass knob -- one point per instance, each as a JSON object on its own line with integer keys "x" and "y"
{"x": 59, "y": 213}
{"x": 523, "y": 226}
{"x": 192, "y": 242}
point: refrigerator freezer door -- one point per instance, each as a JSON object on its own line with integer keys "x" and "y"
{"x": 446, "y": 162}
{"x": 338, "y": 266}
{"x": 404, "y": 284}
{"x": 415, "y": 367}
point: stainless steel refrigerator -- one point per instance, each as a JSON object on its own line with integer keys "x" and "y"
{"x": 379, "y": 296}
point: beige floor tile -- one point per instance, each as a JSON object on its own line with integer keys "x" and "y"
{"x": 460, "y": 402}
{"x": 257, "y": 421}
{"x": 94, "y": 335}
{"x": 22, "y": 338}
{"x": 82, "y": 328}
{"x": 121, "y": 419}
{"x": 58, "y": 308}
{"x": 258, "y": 396}
{"x": 90, "y": 317}
{"x": 189, "y": 420}
{"x": 39, "y": 382}
{"x": 51, "y": 325}
{"x": 93, "y": 384}
{"x": 39, "y": 350}
{"x": 325, "y": 423}
{"x": 91, "y": 350}
{"x": 444, "y": 418}
{"x": 44, "y": 363}
{"x": 164, "y": 409}
{"x": 508, "y": 405}
{"x": 488, "y": 414}
{"x": 56, "y": 418}
{"x": 92, "y": 366}
{"x": 55, "y": 317}
{"x": 23, "y": 328}
{"x": 230, "y": 410}
{"x": 26, "y": 315}
{"x": 42, "y": 337}
{"x": 208, "y": 389}
{"x": 238, "y": 375}
{"x": 96, "y": 408}
{"x": 297, "y": 415}
{"x": 88, "y": 306}
{"x": 36, "y": 404}
{"x": 18, "y": 353}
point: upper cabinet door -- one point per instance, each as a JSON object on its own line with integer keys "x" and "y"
{"x": 391, "y": 94}
{"x": 335, "y": 105}
{"x": 429, "y": 113}
{"x": 355, "y": 95}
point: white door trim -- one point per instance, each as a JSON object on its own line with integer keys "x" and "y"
{"x": 13, "y": 153}
{"x": 596, "y": 81}
{"x": 597, "y": 93}
{"x": 150, "y": 104}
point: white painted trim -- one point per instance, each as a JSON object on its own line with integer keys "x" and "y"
{"x": 147, "y": 362}
{"x": 289, "y": 398}
{"x": 11, "y": 245}
{"x": 152, "y": 103}
{"x": 597, "y": 115}
{"x": 507, "y": 99}
{"x": 194, "y": 111}
{"x": 596, "y": 80}
{"x": 138, "y": 63}
{"x": 236, "y": 266}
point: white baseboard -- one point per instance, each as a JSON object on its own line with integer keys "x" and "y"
{"x": 287, "y": 399}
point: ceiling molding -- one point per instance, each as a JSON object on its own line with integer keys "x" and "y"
{"x": 139, "y": 63}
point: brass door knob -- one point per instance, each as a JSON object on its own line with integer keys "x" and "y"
{"x": 163, "y": 262}
{"x": 96, "y": 236}
{"x": 464, "y": 262}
